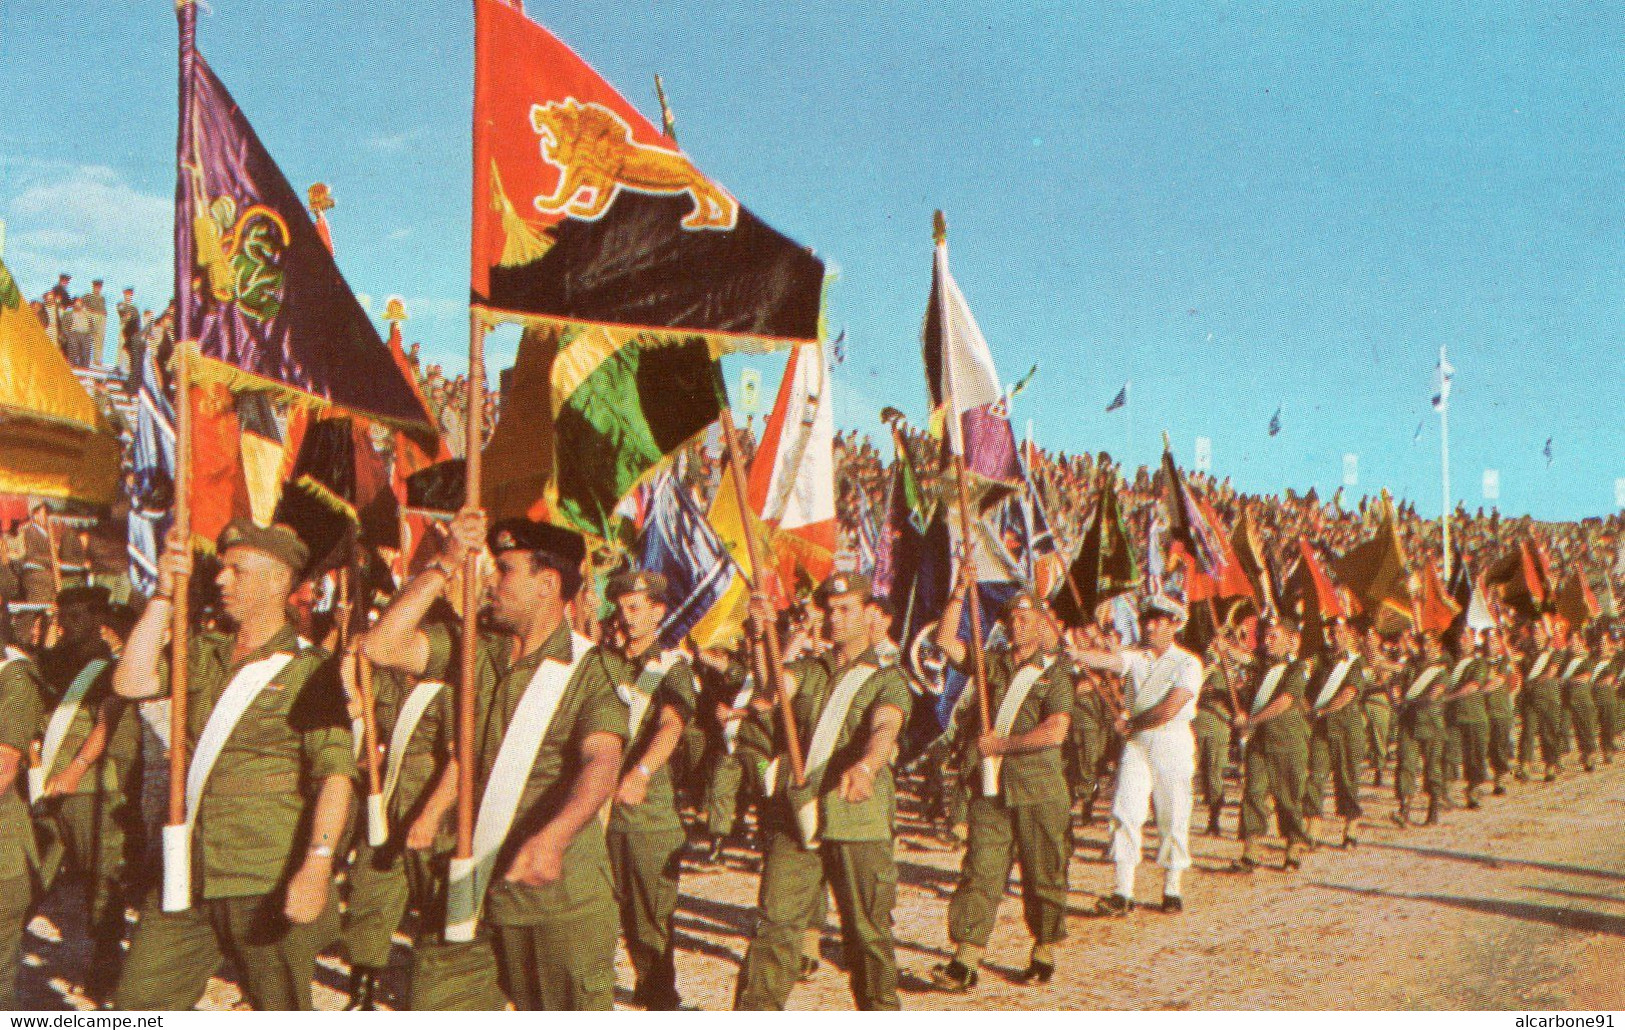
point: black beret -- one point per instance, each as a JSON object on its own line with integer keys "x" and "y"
{"x": 521, "y": 534}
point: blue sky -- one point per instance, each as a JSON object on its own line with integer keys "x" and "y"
{"x": 1236, "y": 207}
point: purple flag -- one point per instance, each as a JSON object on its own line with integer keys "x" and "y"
{"x": 255, "y": 287}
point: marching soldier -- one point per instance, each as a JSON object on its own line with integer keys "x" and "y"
{"x": 724, "y": 705}
{"x": 1543, "y": 699}
{"x": 90, "y": 742}
{"x": 1467, "y": 710}
{"x": 1500, "y": 691}
{"x": 1277, "y": 758}
{"x": 1580, "y": 702}
{"x": 268, "y": 788}
{"x": 20, "y": 712}
{"x": 1091, "y": 733}
{"x": 646, "y": 835}
{"x": 549, "y": 738}
{"x": 415, "y": 721}
{"x": 1225, "y": 665}
{"x": 1338, "y": 732}
{"x": 1377, "y": 703}
{"x": 1026, "y": 818}
{"x": 835, "y": 830}
{"x": 1422, "y": 732}
{"x": 1605, "y": 686}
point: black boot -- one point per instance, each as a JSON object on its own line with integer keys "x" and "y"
{"x": 363, "y": 989}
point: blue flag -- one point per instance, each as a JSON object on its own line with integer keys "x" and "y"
{"x": 1275, "y": 423}
{"x": 680, "y": 545}
{"x": 152, "y": 484}
{"x": 1120, "y": 401}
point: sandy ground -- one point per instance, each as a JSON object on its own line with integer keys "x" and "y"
{"x": 1520, "y": 905}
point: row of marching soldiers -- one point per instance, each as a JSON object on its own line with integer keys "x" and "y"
{"x": 578, "y": 841}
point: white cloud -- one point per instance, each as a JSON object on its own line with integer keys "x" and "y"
{"x": 89, "y": 221}
{"x": 390, "y": 142}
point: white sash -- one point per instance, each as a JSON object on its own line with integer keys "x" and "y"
{"x": 406, "y": 724}
{"x": 56, "y": 731}
{"x": 1461, "y": 667}
{"x": 1021, "y": 684}
{"x": 730, "y": 729}
{"x": 1574, "y": 667}
{"x": 1334, "y": 682}
{"x": 499, "y": 806}
{"x": 639, "y": 695}
{"x": 822, "y": 747}
{"x": 1541, "y": 661}
{"x": 1267, "y": 689}
{"x": 1420, "y": 686}
{"x": 228, "y": 711}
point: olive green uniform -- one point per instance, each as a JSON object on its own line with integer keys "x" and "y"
{"x": 20, "y": 712}
{"x": 1212, "y": 729}
{"x": 73, "y": 560}
{"x": 1498, "y": 712}
{"x": 1277, "y": 759}
{"x": 83, "y": 833}
{"x": 1378, "y": 706}
{"x": 250, "y": 835}
{"x": 646, "y": 840}
{"x": 725, "y": 781}
{"x": 1543, "y": 707}
{"x": 1422, "y": 736}
{"x": 1088, "y": 741}
{"x": 554, "y": 945}
{"x": 853, "y": 855}
{"x": 38, "y": 582}
{"x": 386, "y": 881}
{"x": 1469, "y": 717}
{"x": 1605, "y": 687}
{"x": 1337, "y": 743}
{"x": 1028, "y": 823}
{"x": 1580, "y": 702}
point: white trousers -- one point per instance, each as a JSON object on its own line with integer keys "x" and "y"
{"x": 1158, "y": 765}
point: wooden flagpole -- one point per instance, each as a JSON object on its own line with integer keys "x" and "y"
{"x": 471, "y": 595}
{"x": 177, "y": 847}
{"x": 967, "y": 535}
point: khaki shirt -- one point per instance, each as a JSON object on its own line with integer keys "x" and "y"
{"x": 1036, "y": 776}
{"x": 816, "y": 679}
{"x": 1291, "y": 726}
{"x": 676, "y": 692}
{"x": 20, "y": 707}
{"x": 432, "y": 741}
{"x": 59, "y": 666}
{"x": 253, "y": 818}
{"x": 589, "y": 705}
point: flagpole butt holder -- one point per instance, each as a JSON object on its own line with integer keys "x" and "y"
{"x": 36, "y": 784}
{"x": 177, "y": 851}
{"x": 807, "y": 822}
{"x": 377, "y": 825}
{"x": 990, "y": 775}
{"x": 462, "y": 901}
{"x": 770, "y": 779}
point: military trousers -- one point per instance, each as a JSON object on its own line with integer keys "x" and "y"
{"x": 1420, "y": 756}
{"x": 1545, "y": 720}
{"x": 1499, "y": 745}
{"x": 724, "y": 787}
{"x": 1036, "y": 837}
{"x": 1212, "y": 753}
{"x": 1581, "y": 704}
{"x": 558, "y": 965}
{"x": 379, "y": 895}
{"x": 863, "y": 875}
{"x": 646, "y": 866}
{"x": 1608, "y": 713}
{"x": 1474, "y": 738}
{"x": 173, "y": 954}
{"x": 1087, "y": 742}
{"x": 80, "y": 835}
{"x": 16, "y": 901}
{"x": 1275, "y": 770}
{"x": 1335, "y": 752}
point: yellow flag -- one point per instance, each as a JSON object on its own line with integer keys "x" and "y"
{"x": 724, "y": 623}
{"x": 56, "y": 441}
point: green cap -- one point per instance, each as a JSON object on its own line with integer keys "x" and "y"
{"x": 842, "y": 584}
{"x": 651, "y": 583}
{"x": 278, "y": 541}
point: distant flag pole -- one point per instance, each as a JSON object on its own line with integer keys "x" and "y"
{"x": 667, "y": 120}
{"x": 1441, "y": 401}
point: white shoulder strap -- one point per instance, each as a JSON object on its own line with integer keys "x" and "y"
{"x": 244, "y": 687}
{"x": 1334, "y": 682}
{"x": 640, "y": 693}
{"x": 1422, "y": 682}
{"x": 56, "y": 730}
{"x": 406, "y": 724}
{"x": 1267, "y": 689}
{"x": 521, "y": 743}
{"x": 1021, "y": 684}
{"x": 828, "y": 731}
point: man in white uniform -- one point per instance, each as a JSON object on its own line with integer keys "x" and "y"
{"x": 1159, "y": 750}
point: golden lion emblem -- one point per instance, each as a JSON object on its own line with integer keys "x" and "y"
{"x": 594, "y": 149}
